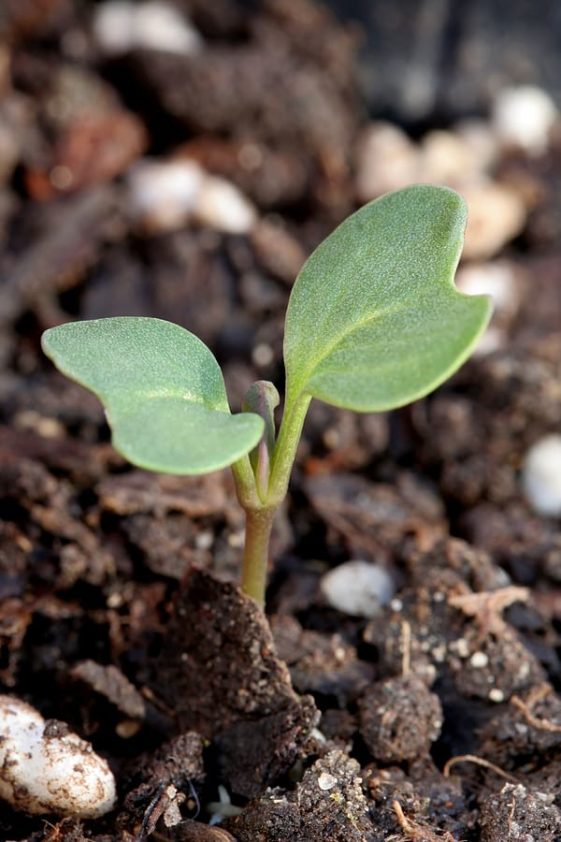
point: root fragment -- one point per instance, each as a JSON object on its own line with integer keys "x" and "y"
{"x": 417, "y": 832}
{"x": 405, "y": 649}
{"x": 525, "y": 707}
{"x": 480, "y": 761}
{"x": 486, "y": 607}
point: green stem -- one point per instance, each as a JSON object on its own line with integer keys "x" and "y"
{"x": 286, "y": 447}
{"x": 246, "y": 488}
{"x": 261, "y": 504}
{"x": 258, "y": 525}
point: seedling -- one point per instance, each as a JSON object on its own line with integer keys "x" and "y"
{"x": 373, "y": 322}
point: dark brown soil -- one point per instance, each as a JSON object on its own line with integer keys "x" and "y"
{"x": 435, "y": 717}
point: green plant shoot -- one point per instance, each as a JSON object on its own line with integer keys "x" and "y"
{"x": 373, "y": 322}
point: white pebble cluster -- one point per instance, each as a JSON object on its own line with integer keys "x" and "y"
{"x": 166, "y": 195}
{"x": 122, "y": 25}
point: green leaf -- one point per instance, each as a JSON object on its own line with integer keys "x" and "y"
{"x": 374, "y": 320}
{"x": 162, "y": 389}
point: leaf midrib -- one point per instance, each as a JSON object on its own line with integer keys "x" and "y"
{"x": 139, "y": 395}
{"x": 311, "y": 370}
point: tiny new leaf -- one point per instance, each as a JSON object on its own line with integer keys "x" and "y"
{"x": 374, "y": 320}
{"x": 162, "y": 389}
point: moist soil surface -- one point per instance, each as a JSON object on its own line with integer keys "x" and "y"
{"x": 429, "y": 711}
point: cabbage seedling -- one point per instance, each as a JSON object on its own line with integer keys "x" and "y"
{"x": 373, "y": 322}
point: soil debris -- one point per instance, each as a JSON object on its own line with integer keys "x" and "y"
{"x": 529, "y": 727}
{"x": 377, "y": 520}
{"x": 113, "y": 685}
{"x": 519, "y": 814}
{"x": 220, "y": 672}
{"x": 170, "y": 781}
{"x": 400, "y": 719}
{"x": 416, "y": 832}
{"x": 319, "y": 663}
{"x": 328, "y": 805}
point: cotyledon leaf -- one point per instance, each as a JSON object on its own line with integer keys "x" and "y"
{"x": 162, "y": 389}
{"x": 374, "y": 320}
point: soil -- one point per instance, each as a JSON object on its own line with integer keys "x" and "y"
{"x": 435, "y": 717}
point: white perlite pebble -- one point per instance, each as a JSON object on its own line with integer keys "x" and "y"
{"x": 524, "y": 116}
{"x": 48, "y": 773}
{"x": 479, "y": 660}
{"x": 541, "y": 476}
{"x": 163, "y": 194}
{"x": 496, "y": 214}
{"x": 326, "y": 781}
{"x": 222, "y": 206}
{"x": 358, "y": 588}
{"x": 447, "y": 158}
{"x": 121, "y": 26}
{"x": 386, "y": 159}
{"x": 166, "y": 195}
{"x": 499, "y": 280}
{"x": 495, "y": 279}
{"x": 496, "y": 695}
{"x": 480, "y": 138}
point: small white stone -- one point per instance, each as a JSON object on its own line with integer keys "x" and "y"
{"x": 358, "y": 588}
{"x": 496, "y": 214}
{"x": 479, "y": 660}
{"x": 547, "y": 797}
{"x": 496, "y": 695}
{"x": 113, "y": 25}
{"x": 523, "y": 671}
{"x": 121, "y": 25}
{"x": 493, "y": 339}
{"x": 163, "y": 194}
{"x": 332, "y": 438}
{"x": 497, "y": 279}
{"x": 49, "y": 774}
{"x": 524, "y": 116}
{"x": 482, "y": 141}
{"x": 236, "y": 539}
{"x": 439, "y": 653}
{"x": 159, "y": 26}
{"x": 204, "y": 540}
{"x": 386, "y": 160}
{"x": 541, "y": 476}
{"x": 460, "y": 647}
{"x": 326, "y": 781}
{"x": 222, "y": 206}
{"x": 447, "y": 158}
{"x": 262, "y": 355}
